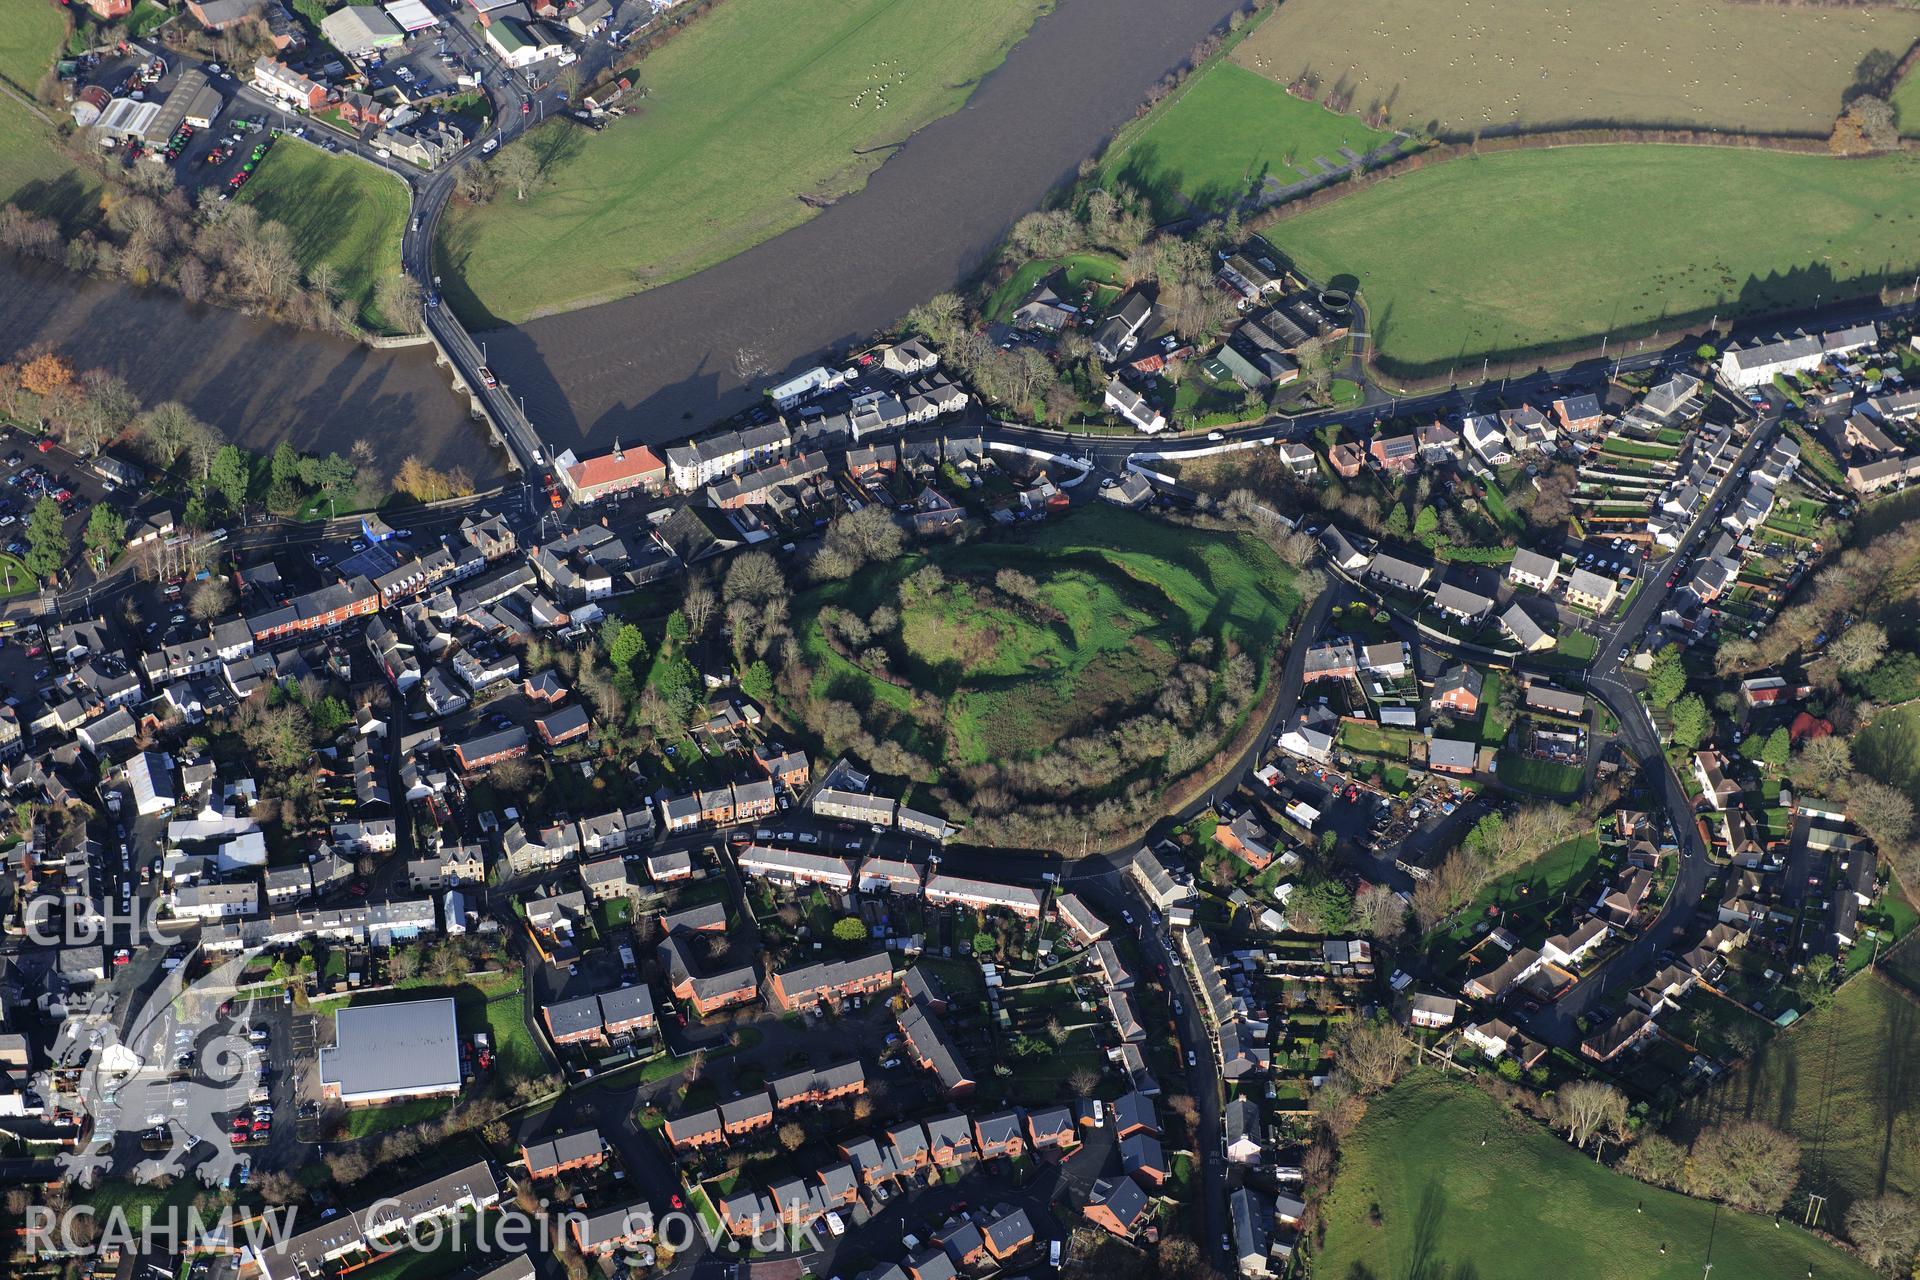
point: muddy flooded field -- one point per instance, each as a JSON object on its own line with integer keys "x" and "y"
{"x": 258, "y": 382}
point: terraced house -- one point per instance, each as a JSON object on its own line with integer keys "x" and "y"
{"x": 831, "y": 981}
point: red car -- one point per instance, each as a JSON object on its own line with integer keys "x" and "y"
{"x": 45, "y": 446}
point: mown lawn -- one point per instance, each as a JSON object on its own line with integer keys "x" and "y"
{"x": 1688, "y": 63}
{"x": 755, "y": 113}
{"x": 1846, "y": 1082}
{"x": 1439, "y": 1180}
{"x": 341, "y": 211}
{"x": 1494, "y": 254}
{"x": 1230, "y": 128}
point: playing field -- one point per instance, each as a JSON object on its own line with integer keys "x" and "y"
{"x": 1228, "y": 133}
{"x": 33, "y": 173}
{"x": 1685, "y": 63}
{"x": 1440, "y": 1180}
{"x": 1518, "y": 252}
{"x": 754, "y": 114}
{"x": 1846, "y": 1082}
{"x": 340, "y": 210}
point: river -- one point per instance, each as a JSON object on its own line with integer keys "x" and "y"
{"x": 658, "y": 365}
{"x": 258, "y": 382}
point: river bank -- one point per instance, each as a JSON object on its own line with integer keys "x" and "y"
{"x": 660, "y": 365}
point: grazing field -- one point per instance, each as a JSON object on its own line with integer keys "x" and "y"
{"x": 31, "y": 33}
{"x": 754, "y": 115}
{"x": 1530, "y": 251}
{"x": 1906, "y": 102}
{"x": 341, "y": 211}
{"x": 1536, "y": 63}
{"x": 1888, "y": 749}
{"x": 1846, "y": 1082}
{"x": 1439, "y": 1180}
{"x": 1227, "y": 131}
{"x": 1012, "y": 647}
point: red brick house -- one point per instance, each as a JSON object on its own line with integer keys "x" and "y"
{"x": 744, "y": 1115}
{"x": 564, "y": 1153}
{"x": 999, "y": 1135}
{"x": 1347, "y": 459}
{"x": 1052, "y": 1128}
{"x": 1458, "y": 690}
{"x": 831, "y": 980}
{"x": 697, "y": 1129}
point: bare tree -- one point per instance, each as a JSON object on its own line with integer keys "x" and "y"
{"x": 1590, "y": 1108}
{"x": 1373, "y": 1052}
{"x": 1887, "y": 1230}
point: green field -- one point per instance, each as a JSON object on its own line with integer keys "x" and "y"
{"x": 754, "y": 115}
{"x": 1467, "y": 1189}
{"x": 1888, "y": 749}
{"x": 1688, "y": 63}
{"x": 998, "y": 678}
{"x": 1229, "y": 128}
{"x": 33, "y": 172}
{"x": 31, "y": 34}
{"x": 341, "y": 211}
{"x": 1906, "y": 102}
{"x": 1846, "y": 1082}
{"x": 1521, "y": 251}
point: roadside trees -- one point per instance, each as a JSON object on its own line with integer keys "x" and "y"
{"x": 47, "y": 545}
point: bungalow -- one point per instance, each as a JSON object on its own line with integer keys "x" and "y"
{"x": 1504, "y": 977}
{"x": 1524, "y": 631}
{"x": 1629, "y": 1030}
{"x": 1450, "y": 755}
{"x": 1341, "y": 551}
{"x": 1531, "y": 569}
{"x": 1390, "y": 660}
{"x": 1491, "y": 1037}
{"x": 1541, "y": 696}
{"x": 1399, "y": 573}
{"x": 1458, "y": 602}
